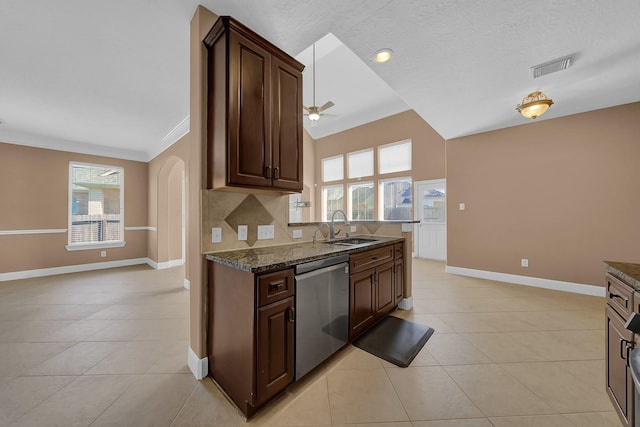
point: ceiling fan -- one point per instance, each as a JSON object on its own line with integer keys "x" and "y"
{"x": 314, "y": 112}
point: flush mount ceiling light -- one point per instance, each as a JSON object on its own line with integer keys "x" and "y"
{"x": 382, "y": 55}
{"x": 533, "y": 105}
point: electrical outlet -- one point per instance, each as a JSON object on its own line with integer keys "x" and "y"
{"x": 103, "y": 254}
{"x": 242, "y": 232}
{"x": 216, "y": 235}
{"x": 297, "y": 234}
{"x": 353, "y": 229}
{"x": 266, "y": 232}
{"x": 524, "y": 262}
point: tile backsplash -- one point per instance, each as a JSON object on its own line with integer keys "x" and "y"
{"x": 228, "y": 210}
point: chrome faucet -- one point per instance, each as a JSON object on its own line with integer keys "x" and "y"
{"x": 332, "y": 230}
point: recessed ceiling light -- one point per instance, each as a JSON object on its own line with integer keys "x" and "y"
{"x": 382, "y": 55}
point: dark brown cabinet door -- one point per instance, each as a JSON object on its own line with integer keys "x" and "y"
{"x": 619, "y": 380}
{"x": 275, "y": 349}
{"x": 385, "y": 293}
{"x": 254, "y": 111}
{"x": 249, "y": 147}
{"x": 362, "y": 300}
{"x": 398, "y": 280}
{"x": 286, "y": 92}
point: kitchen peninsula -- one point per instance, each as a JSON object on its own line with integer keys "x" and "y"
{"x": 257, "y": 301}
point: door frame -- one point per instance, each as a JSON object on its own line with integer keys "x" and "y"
{"x": 417, "y": 214}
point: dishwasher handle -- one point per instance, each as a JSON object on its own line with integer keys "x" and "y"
{"x": 344, "y": 265}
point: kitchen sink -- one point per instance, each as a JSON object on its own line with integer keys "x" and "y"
{"x": 350, "y": 241}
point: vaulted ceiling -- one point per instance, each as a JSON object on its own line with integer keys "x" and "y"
{"x": 112, "y": 77}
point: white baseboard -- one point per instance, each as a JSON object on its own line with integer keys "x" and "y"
{"x": 199, "y": 367}
{"x": 187, "y": 284}
{"x": 557, "y": 285}
{"x": 169, "y": 264}
{"x": 406, "y": 304}
{"x": 166, "y": 264}
{"x": 41, "y": 272}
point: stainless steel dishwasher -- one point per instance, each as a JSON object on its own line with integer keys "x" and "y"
{"x": 322, "y": 311}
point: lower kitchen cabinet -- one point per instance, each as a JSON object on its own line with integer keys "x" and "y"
{"x": 619, "y": 380}
{"x": 362, "y": 302}
{"x": 372, "y": 288}
{"x": 275, "y": 348}
{"x": 620, "y": 341}
{"x": 250, "y": 343}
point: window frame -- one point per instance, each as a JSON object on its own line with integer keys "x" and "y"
{"x": 381, "y": 207}
{"x": 361, "y": 184}
{"x": 94, "y": 245}
{"x": 408, "y": 142}
{"x": 323, "y": 200}
{"x": 339, "y": 156}
{"x": 373, "y": 163}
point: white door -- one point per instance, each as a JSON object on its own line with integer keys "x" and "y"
{"x": 431, "y": 211}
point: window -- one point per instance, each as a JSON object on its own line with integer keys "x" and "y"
{"x": 333, "y": 169}
{"x": 394, "y": 157}
{"x": 360, "y": 163}
{"x": 361, "y": 205}
{"x": 332, "y": 200}
{"x": 96, "y": 200}
{"x": 396, "y": 199}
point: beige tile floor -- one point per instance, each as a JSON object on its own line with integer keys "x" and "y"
{"x": 109, "y": 348}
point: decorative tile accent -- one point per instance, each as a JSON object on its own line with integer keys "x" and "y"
{"x": 252, "y": 213}
{"x": 372, "y": 227}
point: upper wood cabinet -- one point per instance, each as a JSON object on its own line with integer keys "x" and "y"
{"x": 254, "y": 111}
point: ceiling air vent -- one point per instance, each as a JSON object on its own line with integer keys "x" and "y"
{"x": 552, "y": 66}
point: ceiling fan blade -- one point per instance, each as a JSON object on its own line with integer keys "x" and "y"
{"x": 306, "y": 108}
{"x": 326, "y": 106}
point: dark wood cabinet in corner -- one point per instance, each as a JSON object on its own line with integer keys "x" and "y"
{"x": 250, "y": 334}
{"x": 620, "y": 341}
{"x": 254, "y": 112}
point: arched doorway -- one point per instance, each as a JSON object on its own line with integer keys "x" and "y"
{"x": 171, "y": 215}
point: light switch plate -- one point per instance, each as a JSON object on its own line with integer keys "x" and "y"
{"x": 216, "y": 235}
{"x": 407, "y": 228}
{"x": 297, "y": 234}
{"x": 461, "y": 206}
{"x": 242, "y": 232}
{"x": 353, "y": 229}
{"x": 524, "y": 262}
{"x": 266, "y": 232}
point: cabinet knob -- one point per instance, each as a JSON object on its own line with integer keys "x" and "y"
{"x": 292, "y": 315}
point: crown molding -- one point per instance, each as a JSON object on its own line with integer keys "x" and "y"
{"x": 180, "y": 130}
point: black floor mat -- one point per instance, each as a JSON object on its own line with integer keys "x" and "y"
{"x": 395, "y": 340}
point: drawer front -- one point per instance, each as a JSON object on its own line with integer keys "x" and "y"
{"x": 365, "y": 260}
{"x": 398, "y": 250}
{"x": 619, "y": 296}
{"x": 275, "y": 286}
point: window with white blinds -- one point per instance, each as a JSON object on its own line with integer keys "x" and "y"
{"x": 96, "y": 198}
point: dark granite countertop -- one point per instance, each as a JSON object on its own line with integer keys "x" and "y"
{"x": 625, "y": 271}
{"x": 258, "y": 260}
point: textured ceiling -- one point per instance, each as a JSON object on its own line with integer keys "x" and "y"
{"x": 112, "y": 77}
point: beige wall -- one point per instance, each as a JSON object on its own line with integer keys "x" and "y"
{"x": 562, "y": 193}
{"x": 428, "y": 147}
{"x": 34, "y": 195}
{"x": 309, "y": 176}
{"x": 201, "y": 23}
{"x": 165, "y": 201}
